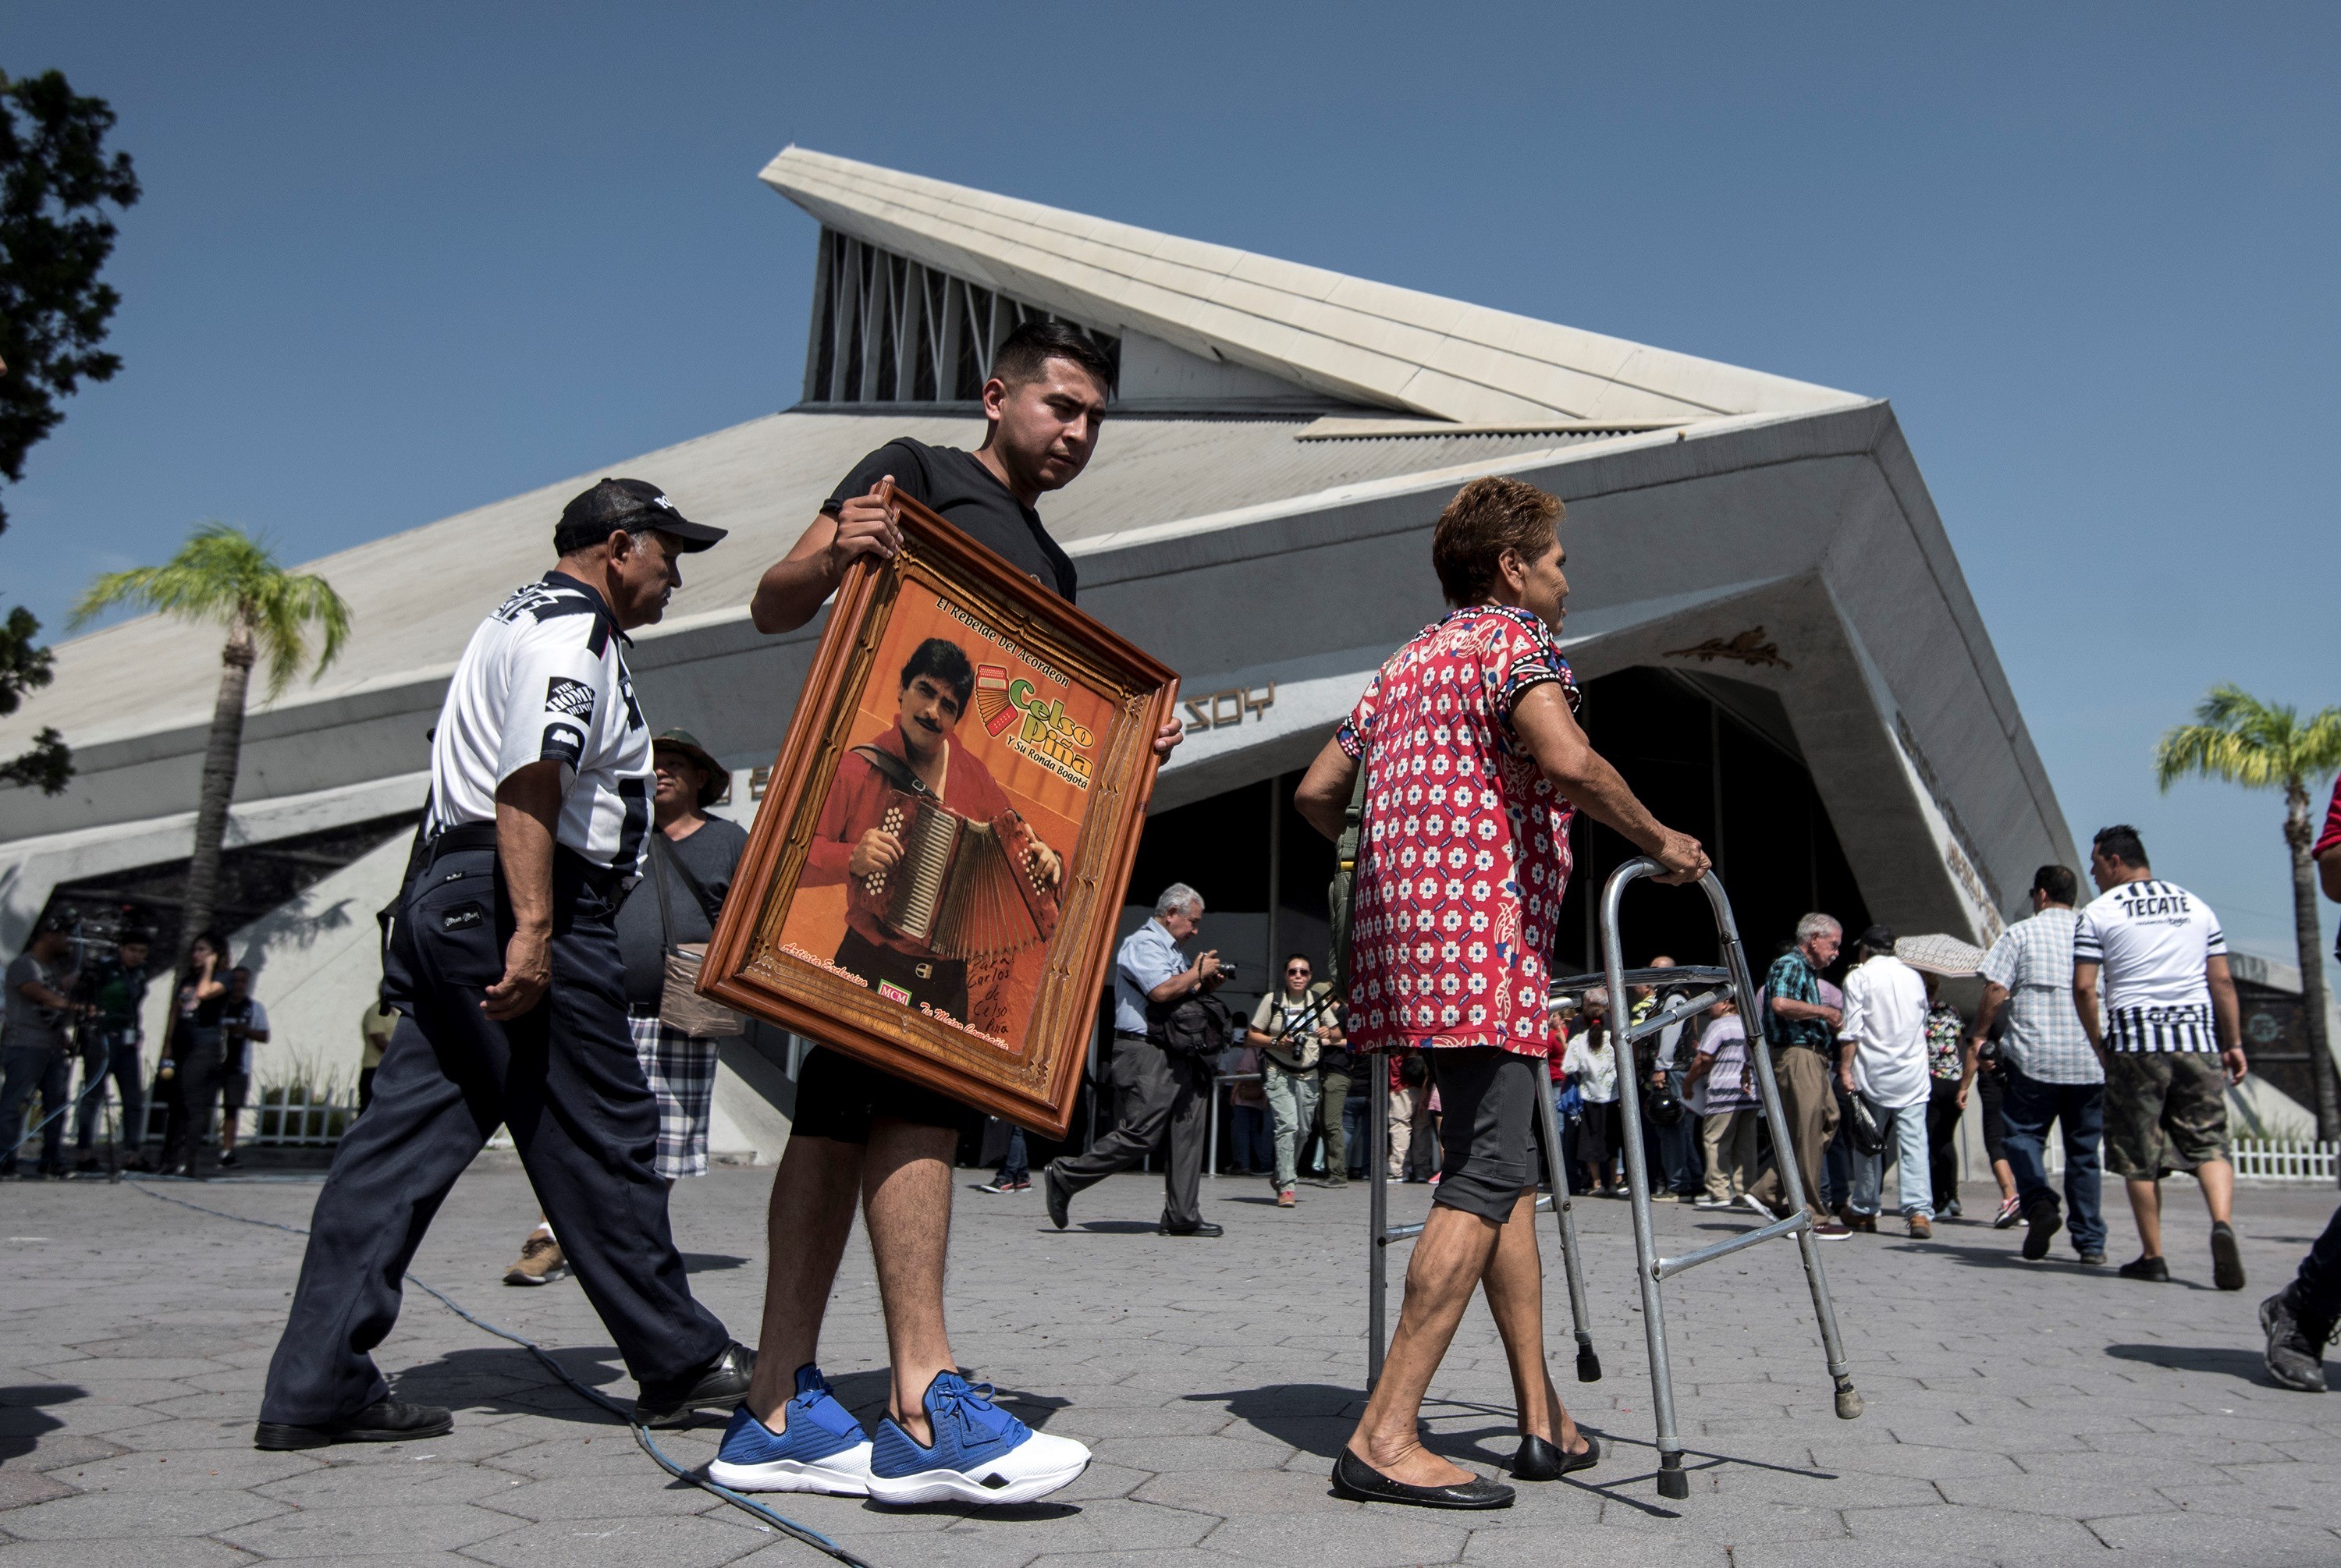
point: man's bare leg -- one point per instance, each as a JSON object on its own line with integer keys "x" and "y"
{"x": 2218, "y": 1179}
{"x": 811, "y": 1215}
{"x": 1514, "y": 1280}
{"x": 1450, "y": 1258}
{"x": 2145, "y": 1208}
{"x": 906, "y": 1198}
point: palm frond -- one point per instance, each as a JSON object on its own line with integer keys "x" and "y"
{"x": 2240, "y": 740}
{"x": 221, "y": 572}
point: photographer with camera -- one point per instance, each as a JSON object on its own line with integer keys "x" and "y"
{"x": 1293, "y": 1029}
{"x": 1168, "y": 1030}
{"x": 112, "y": 991}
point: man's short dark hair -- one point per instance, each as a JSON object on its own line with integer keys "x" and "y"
{"x": 1487, "y": 516}
{"x": 2058, "y": 882}
{"x": 1033, "y": 344}
{"x": 945, "y": 661}
{"x": 2120, "y": 842}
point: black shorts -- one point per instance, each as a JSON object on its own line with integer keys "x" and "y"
{"x": 838, "y": 1097}
{"x": 1487, "y": 1127}
{"x": 235, "y": 1089}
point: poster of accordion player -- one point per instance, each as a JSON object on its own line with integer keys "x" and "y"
{"x": 943, "y": 850}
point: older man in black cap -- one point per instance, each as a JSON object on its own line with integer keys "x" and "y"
{"x": 684, "y": 879}
{"x": 502, "y": 959}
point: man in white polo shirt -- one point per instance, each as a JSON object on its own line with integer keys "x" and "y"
{"x": 502, "y": 959}
{"x": 2170, "y": 1027}
{"x": 1882, "y": 1058}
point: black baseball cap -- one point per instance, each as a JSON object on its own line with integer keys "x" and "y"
{"x": 1878, "y": 938}
{"x": 636, "y": 504}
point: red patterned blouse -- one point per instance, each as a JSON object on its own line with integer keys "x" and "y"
{"x": 1466, "y": 852}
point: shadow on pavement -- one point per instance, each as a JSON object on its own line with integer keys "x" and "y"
{"x": 23, "y": 1421}
{"x": 709, "y": 1262}
{"x": 2244, "y": 1365}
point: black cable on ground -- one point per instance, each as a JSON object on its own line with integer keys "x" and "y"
{"x": 804, "y": 1532}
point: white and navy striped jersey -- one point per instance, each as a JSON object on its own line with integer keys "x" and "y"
{"x": 545, "y": 678}
{"x": 2152, "y": 942}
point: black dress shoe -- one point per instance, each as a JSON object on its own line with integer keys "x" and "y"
{"x": 1201, "y": 1228}
{"x": 384, "y": 1420}
{"x": 1360, "y": 1481}
{"x": 1540, "y": 1461}
{"x": 1054, "y": 1194}
{"x": 720, "y": 1385}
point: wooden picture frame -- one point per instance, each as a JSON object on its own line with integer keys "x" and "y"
{"x": 1060, "y": 724}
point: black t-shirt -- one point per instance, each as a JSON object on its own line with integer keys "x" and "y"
{"x": 713, "y": 854}
{"x": 971, "y": 499}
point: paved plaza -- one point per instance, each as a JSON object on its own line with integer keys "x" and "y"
{"x": 2017, "y": 1414}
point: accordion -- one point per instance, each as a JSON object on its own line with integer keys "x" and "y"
{"x": 963, "y": 887}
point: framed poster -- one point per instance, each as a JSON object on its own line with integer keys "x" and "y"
{"x": 939, "y": 863}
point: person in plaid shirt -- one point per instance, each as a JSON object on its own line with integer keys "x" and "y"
{"x": 2048, "y": 1070}
{"x": 1474, "y": 765}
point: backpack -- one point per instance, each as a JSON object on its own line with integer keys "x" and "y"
{"x": 1195, "y": 1026}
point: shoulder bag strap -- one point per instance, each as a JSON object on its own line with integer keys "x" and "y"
{"x": 658, "y": 875}
{"x": 894, "y": 770}
{"x": 709, "y": 904}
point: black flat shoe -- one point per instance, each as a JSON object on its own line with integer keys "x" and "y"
{"x": 720, "y": 1386}
{"x": 384, "y": 1420}
{"x": 1538, "y": 1460}
{"x": 1054, "y": 1193}
{"x": 1360, "y": 1481}
{"x": 1203, "y": 1228}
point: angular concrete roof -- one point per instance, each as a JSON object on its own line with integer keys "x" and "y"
{"x": 1340, "y": 336}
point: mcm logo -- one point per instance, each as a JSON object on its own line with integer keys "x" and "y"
{"x": 571, "y": 698}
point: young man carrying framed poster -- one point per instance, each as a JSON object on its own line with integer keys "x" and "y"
{"x": 864, "y": 1134}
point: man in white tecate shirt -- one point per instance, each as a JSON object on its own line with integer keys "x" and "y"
{"x": 1882, "y": 1058}
{"x": 503, "y": 958}
{"x": 2171, "y": 1041}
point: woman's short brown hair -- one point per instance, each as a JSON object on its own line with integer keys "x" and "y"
{"x": 1487, "y": 516}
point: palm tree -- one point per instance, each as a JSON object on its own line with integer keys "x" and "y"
{"x": 2263, "y": 746}
{"x": 223, "y": 575}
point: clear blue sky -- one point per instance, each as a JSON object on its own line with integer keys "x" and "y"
{"x": 396, "y": 261}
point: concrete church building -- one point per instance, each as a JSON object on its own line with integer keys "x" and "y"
{"x": 1774, "y": 635}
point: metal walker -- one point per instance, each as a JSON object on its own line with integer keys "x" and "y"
{"x": 1728, "y": 982}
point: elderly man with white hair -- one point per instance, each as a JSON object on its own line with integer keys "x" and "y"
{"x": 1800, "y": 1030}
{"x": 1163, "y": 1095}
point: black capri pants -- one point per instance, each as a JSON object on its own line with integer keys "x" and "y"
{"x": 1487, "y": 1128}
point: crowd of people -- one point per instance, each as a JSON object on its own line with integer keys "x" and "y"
{"x": 566, "y": 865}
{"x": 73, "y": 999}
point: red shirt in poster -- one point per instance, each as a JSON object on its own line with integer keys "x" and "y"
{"x": 857, "y": 803}
{"x": 2331, "y": 837}
{"x": 1466, "y": 842}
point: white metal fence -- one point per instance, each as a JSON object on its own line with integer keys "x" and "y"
{"x": 280, "y": 1118}
{"x": 2274, "y": 1159}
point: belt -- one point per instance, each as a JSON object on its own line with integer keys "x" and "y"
{"x": 473, "y": 837}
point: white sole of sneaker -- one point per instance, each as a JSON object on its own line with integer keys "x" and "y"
{"x": 796, "y": 1475}
{"x": 959, "y": 1487}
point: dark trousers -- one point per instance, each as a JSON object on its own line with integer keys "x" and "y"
{"x": 563, "y": 1078}
{"x": 23, "y": 1069}
{"x": 1163, "y": 1102}
{"x": 1942, "y": 1141}
{"x": 1332, "y": 1132}
{"x": 120, "y": 1058}
{"x": 1675, "y": 1162}
{"x": 1014, "y": 1164}
{"x": 2316, "y": 1293}
{"x": 2027, "y": 1105}
{"x": 195, "y": 1085}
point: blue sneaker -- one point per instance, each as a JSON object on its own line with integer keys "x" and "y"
{"x": 980, "y": 1452}
{"x": 819, "y": 1448}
